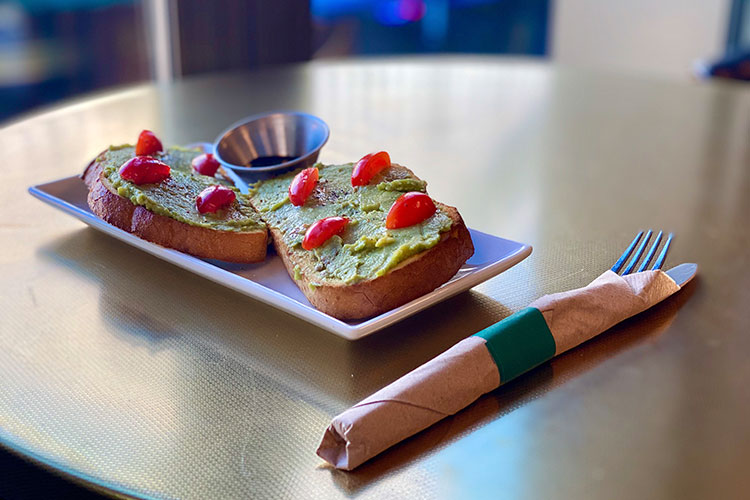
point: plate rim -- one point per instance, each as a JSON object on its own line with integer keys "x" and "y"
{"x": 272, "y": 297}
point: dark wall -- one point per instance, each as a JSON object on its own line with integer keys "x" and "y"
{"x": 69, "y": 51}
{"x": 238, "y": 34}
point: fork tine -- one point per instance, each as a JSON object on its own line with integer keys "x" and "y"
{"x": 626, "y": 254}
{"x": 638, "y": 253}
{"x": 651, "y": 252}
{"x": 663, "y": 254}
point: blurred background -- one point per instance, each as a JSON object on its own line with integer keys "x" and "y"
{"x": 54, "y": 49}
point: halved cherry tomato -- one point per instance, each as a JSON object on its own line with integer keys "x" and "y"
{"x": 214, "y": 198}
{"x": 409, "y": 209}
{"x": 302, "y": 185}
{"x": 368, "y": 167}
{"x": 322, "y": 230}
{"x": 144, "y": 170}
{"x": 147, "y": 144}
{"x": 206, "y": 164}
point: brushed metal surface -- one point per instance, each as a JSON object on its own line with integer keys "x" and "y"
{"x": 145, "y": 377}
{"x": 282, "y": 134}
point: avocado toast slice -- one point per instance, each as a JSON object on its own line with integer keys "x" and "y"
{"x": 367, "y": 269}
{"x": 165, "y": 212}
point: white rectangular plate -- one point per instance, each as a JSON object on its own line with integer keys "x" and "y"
{"x": 269, "y": 282}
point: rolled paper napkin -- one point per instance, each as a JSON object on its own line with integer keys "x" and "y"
{"x": 479, "y": 364}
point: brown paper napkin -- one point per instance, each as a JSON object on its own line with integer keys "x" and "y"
{"x": 460, "y": 375}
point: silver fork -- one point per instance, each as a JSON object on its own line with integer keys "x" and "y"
{"x": 649, "y": 255}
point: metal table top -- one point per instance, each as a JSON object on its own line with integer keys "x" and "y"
{"x": 145, "y": 379}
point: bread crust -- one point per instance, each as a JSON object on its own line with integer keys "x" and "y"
{"x": 93, "y": 169}
{"x": 202, "y": 242}
{"x": 412, "y": 278}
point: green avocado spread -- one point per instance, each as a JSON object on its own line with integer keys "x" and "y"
{"x": 366, "y": 249}
{"x": 175, "y": 197}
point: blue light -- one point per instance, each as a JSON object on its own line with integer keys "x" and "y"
{"x": 399, "y": 12}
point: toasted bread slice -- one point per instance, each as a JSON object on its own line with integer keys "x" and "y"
{"x": 367, "y": 270}
{"x": 235, "y": 235}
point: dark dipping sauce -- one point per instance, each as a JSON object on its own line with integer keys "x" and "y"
{"x": 267, "y": 161}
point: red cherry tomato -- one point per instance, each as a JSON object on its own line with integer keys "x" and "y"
{"x": 147, "y": 144}
{"x": 368, "y": 167}
{"x": 320, "y": 231}
{"x": 409, "y": 209}
{"x": 144, "y": 170}
{"x": 214, "y": 198}
{"x": 302, "y": 185}
{"x": 206, "y": 164}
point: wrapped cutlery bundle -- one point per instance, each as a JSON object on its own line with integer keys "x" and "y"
{"x": 479, "y": 364}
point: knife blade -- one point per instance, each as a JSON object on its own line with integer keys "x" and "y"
{"x": 683, "y": 273}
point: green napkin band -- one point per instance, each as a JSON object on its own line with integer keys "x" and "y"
{"x": 519, "y": 343}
